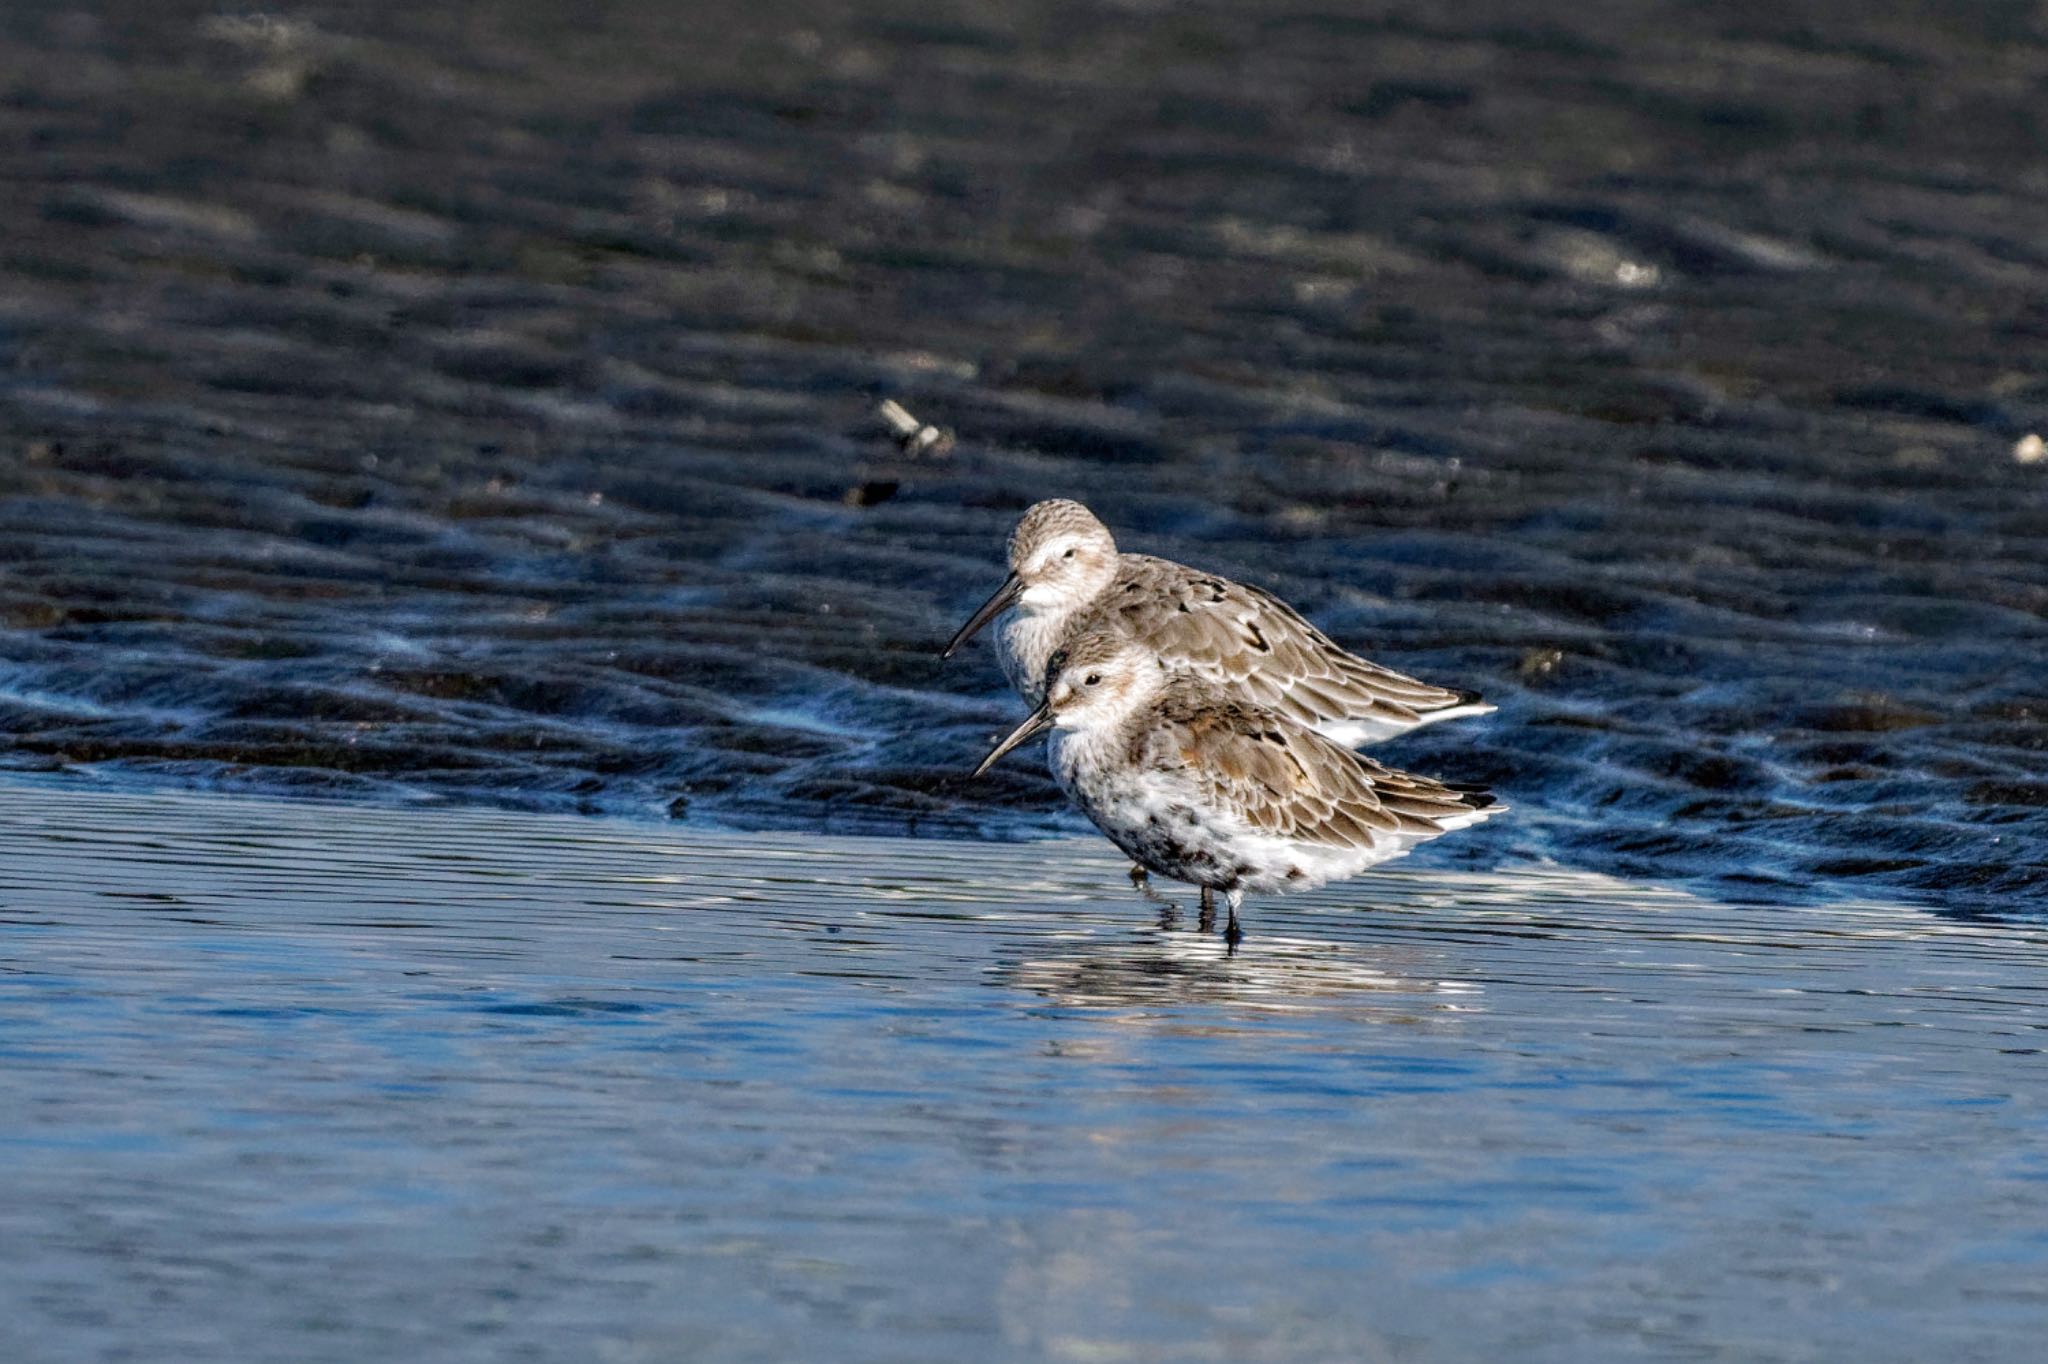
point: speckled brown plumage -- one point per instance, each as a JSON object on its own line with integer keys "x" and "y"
{"x": 1252, "y": 645}
{"x": 1067, "y": 580}
{"x": 1203, "y": 787}
{"x": 1284, "y": 779}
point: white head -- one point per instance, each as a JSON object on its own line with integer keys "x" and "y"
{"x": 1060, "y": 558}
{"x": 1093, "y": 683}
{"x": 1061, "y": 554}
{"x": 1099, "y": 679}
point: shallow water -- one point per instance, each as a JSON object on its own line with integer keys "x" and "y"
{"x": 292, "y": 1080}
{"x": 471, "y": 401}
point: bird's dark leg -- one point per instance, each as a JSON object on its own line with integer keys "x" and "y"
{"x": 1169, "y": 912}
{"x": 1232, "y": 934}
{"x": 1207, "y": 923}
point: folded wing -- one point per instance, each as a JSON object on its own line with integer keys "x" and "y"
{"x": 1254, "y": 646}
{"x": 1290, "y": 782}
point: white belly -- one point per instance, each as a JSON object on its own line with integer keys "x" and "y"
{"x": 1168, "y": 826}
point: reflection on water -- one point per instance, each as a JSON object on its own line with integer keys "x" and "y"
{"x": 1175, "y": 965}
{"x": 316, "y": 1082}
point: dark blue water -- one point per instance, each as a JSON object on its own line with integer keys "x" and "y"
{"x": 290, "y": 1081}
{"x": 473, "y": 403}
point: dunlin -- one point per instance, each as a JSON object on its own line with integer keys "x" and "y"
{"x": 1203, "y": 787}
{"x": 1067, "y": 579}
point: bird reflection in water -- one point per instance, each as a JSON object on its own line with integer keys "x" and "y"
{"x": 1169, "y": 965}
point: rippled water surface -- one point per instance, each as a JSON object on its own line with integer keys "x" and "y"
{"x": 472, "y": 401}
{"x": 302, "y": 1081}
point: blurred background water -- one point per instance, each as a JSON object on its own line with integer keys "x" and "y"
{"x": 472, "y": 402}
{"x": 292, "y": 1081}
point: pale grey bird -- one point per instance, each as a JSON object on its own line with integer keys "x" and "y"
{"x": 1067, "y": 579}
{"x": 1203, "y": 787}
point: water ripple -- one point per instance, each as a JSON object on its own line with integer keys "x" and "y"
{"x": 348, "y": 1082}
{"x": 386, "y": 425}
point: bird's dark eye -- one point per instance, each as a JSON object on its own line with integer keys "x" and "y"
{"x": 1091, "y": 679}
{"x": 1068, "y": 555}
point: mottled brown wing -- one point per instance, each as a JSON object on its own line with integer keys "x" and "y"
{"x": 1255, "y": 646}
{"x": 1289, "y": 781}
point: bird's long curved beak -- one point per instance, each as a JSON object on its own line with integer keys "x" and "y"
{"x": 1040, "y": 719}
{"x": 1005, "y": 598}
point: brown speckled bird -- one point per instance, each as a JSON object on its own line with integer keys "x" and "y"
{"x": 1067, "y": 580}
{"x": 1201, "y": 787}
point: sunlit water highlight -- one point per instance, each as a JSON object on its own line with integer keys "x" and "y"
{"x": 311, "y": 1082}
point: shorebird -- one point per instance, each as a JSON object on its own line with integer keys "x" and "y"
{"x": 1067, "y": 579}
{"x": 1202, "y": 787}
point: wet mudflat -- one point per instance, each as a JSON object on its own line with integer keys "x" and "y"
{"x": 470, "y": 401}
{"x": 290, "y": 1080}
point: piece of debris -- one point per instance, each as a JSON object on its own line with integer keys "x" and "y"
{"x": 913, "y": 437}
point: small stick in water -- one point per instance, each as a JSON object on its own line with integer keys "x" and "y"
{"x": 913, "y": 436}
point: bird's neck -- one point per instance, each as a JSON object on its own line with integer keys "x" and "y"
{"x": 1030, "y": 637}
